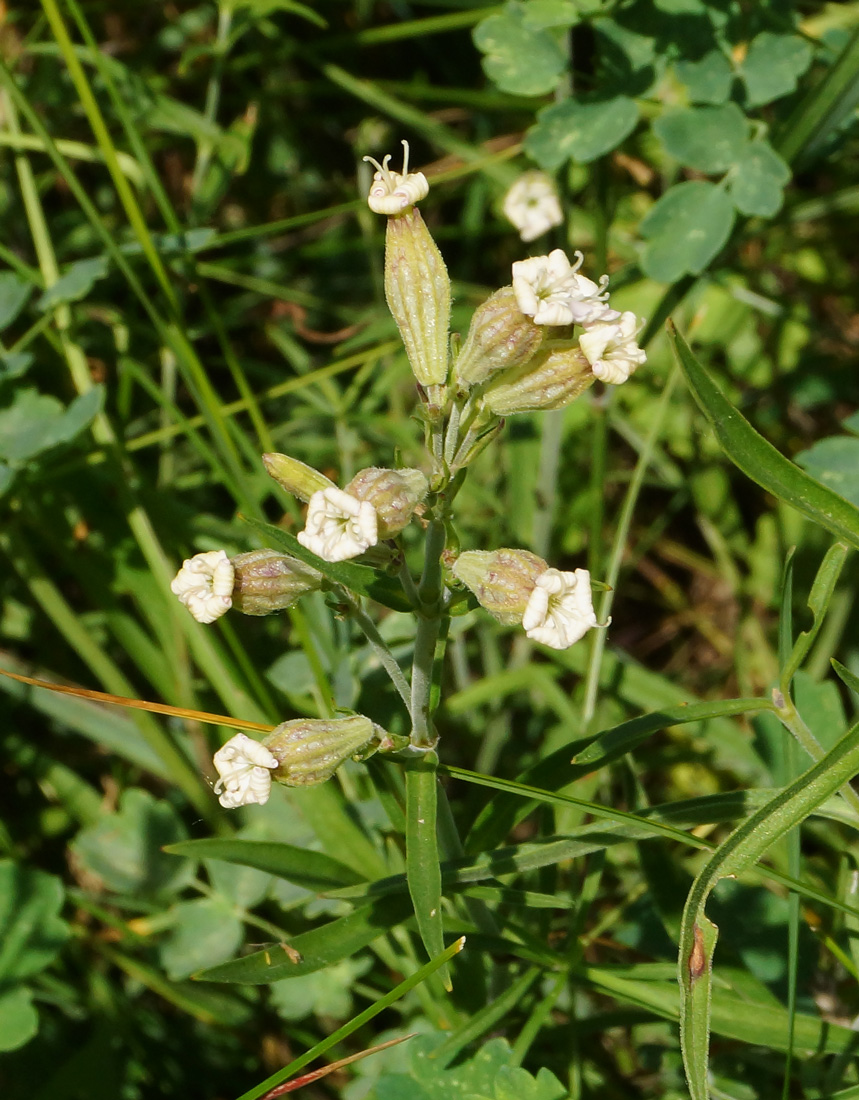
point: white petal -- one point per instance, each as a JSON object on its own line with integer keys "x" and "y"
{"x": 244, "y": 767}
{"x": 560, "y": 610}
{"x": 338, "y": 525}
{"x": 611, "y": 349}
{"x": 204, "y": 585}
{"x": 543, "y": 286}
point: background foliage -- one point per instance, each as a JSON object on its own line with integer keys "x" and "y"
{"x": 192, "y": 278}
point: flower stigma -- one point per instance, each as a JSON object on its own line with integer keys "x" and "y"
{"x": 393, "y": 192}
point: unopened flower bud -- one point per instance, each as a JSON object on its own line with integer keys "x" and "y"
{"x": 417, "y": 288}
{"x": 296, "y": 477}
{"x": 552, "y": 380}
{"x": 502, "y": 580}
{"x": 309, "y": 750}
{"x": 268, "y": 581}
{"x": 394, "y": 494}
{"x": 500, "y": 337}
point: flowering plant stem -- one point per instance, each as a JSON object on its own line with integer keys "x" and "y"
{"x": 428, "y": 627}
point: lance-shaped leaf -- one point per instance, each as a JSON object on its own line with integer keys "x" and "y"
{"x": 698, "y": 935}
{"x": 758, "y": 459}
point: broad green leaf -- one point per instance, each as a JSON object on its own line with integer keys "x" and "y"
{"x": 19, "y": 1020}
{"x": 76, "y": 284}
{"x": 711, "y": 139}
{"x": 14, "y": 292}
{"x": 773, "y": 65}
{"x": 551, "y": 13}
{"x": 519, "y": 58}
{"x": 7, "y": 476}
{"x": 759, "y": 460}
{"x": 237, "y": 883}
{"x": 423, "y": 871}
{"x": 708, "y": 80}
{"x": 204, "y": 932}
{"x": 757, "y": 181}
{"x": 320, "y": 947}
{"x": 580, "y": 131}
{"x": 628, "y": 62}
{"x": 360, "y": 579}
{"x": 312, "y": 870}
{"x": 834, "y": 462}
{"x": 491, "y": 1073}
{"x": 326, "y": 993}
{"x": 31, "y": 931}
{"x": 125, "y": 848}
{"x": 14, "y": 364}
{"x": 34, "y": 422}
{"x": 685, "y": 230}
{"x": 819, "y": 703}
{"x": 744, "y": 847}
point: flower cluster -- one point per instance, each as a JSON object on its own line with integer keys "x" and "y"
{"x": 535, "y": 344}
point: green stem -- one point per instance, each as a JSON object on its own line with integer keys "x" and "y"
{"x": 791, "y": 719}
{"x": 618, "y": 547}
{"x": 423, "y": 735}
{"x": 371, "y": 633}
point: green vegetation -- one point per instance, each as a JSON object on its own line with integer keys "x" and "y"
{"x": 647, "y": 838}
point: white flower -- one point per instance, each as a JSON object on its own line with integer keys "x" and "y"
{"x": 532, "y": 205}
{"x": 544, "y": 287}
{"x": 611, "y": 350}
{"x": 245, "y": 768}
{"x": 393, "y": 192}
{"x": 204, "y": 585}
{"x": 338, "y": 525}
{"x": 560, "y": 609}
{"x": 589, "y": 300}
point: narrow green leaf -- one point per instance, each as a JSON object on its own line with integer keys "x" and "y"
{"x": 758, "y": 459}
{"x": 734, "y": 1015}
{"x": 823, "y": 110}
{"x": 357, "y": 578}
{"x": 785, "y": 810}
{"x": 317, "y": 948}
{"x": 423, "y": 865}
{"x": 846, "y": 676}
{"x": 558, "y": 771}
{"x": 312, "y": 870}
{"x": 818, "y": 602}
